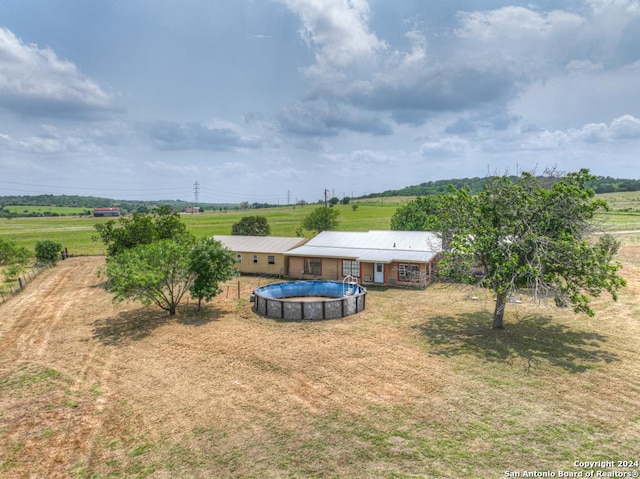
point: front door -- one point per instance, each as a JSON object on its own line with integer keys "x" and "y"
{"x": 378, "y": 274}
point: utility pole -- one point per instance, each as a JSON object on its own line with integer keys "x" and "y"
{"x": 288, "y": 197}
{"x": 196, "y": 188}
{"x": 326, "y": 199}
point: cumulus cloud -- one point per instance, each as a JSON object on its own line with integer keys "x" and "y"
{"x": 626, "y": 127}
{"x": 166, "y": 135}
{"x": 339, "y": 31}
{"x": 35, "y": 82}
{"x": 519, "y": 59}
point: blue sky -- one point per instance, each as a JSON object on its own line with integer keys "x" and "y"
{"x": 277, "y": 100}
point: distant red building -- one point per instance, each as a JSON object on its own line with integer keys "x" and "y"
{"x": 106, "y": 212}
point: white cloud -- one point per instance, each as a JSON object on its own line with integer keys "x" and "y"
{"x": 340, "y": 32}
{"x": 446, "y": 147}
{"x": 626, "y": 127}
{"x": 50, "y": 143}
{"x": 34, "y": 81}
{"x": 358, "y": 159}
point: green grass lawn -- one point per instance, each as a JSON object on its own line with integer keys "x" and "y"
{"x": 76, "y": 233}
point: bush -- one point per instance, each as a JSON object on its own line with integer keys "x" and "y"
{"x": 47, "y": 251}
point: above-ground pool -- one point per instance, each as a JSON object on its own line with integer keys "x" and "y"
{"x": 309, "y": 299}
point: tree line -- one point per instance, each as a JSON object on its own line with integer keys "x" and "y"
{"x": 599, "y": 184}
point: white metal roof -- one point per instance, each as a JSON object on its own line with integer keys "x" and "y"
{"x": 373, "y": 246}
{"x": 259, "y": 244}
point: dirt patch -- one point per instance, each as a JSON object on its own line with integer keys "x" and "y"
{"x": 417, "y": 385}
{"x": 223, "y": 365}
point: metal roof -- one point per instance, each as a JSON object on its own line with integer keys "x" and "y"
{"x": 373, "y": 246}
{"x": 259, "y": 244}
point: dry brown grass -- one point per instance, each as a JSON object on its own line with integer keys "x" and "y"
{"x": 417, "y": 385}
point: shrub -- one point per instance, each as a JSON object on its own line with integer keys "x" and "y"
{"x": 47, "y": 251}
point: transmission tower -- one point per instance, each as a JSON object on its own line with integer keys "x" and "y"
{"x": 196, "y": 191}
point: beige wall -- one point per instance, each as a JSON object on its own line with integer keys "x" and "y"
{"x": 296, "y": 265}
{"x": 247, "y": 265}
{"x": 367, "y": 270}
{"x": 331, "y": 268}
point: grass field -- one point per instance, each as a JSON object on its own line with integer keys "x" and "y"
{"x": 76, "y": 233}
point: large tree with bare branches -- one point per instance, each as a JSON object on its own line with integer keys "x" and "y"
{"x": 526, "y": 233}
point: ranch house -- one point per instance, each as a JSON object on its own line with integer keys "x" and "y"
{"x": 389, "y": 258}
{"x": 260, "y": 254}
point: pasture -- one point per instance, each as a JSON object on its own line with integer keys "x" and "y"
{"x": 418, "y": 385}
{"x": 77, "y": 233}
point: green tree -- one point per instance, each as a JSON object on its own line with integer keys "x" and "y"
{"x": 212, "y": 264}
{"x": 12, "y": 254}
{"x": 417, "y": 214}
{"x": 47, "y": 251}
{"x": 162, "y": 272}
{"x": 251, "y": 226}
{"x": 334, "y": 201}
{"x": 518, "y": 234}
{"x": 321, "y": 219}
{"x": 139, "y": 229}
{"x": 155, "y": 273}
{"x": 345, "y": 200}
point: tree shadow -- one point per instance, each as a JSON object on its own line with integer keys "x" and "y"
{"x": 531, "y": 340}
{"x": 190, "y": 315}
{"x": 135, "y": 325}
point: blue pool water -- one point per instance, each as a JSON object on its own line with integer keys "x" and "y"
{"x": 297, "y": 289}
{"x": 326, "y": 299}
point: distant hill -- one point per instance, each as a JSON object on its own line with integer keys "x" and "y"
{"x": 601, "y": 185}
{"x": 90, "y": 202}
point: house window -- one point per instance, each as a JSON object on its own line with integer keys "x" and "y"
{"x": 313, "y": 266}
{"x": 271, "y": 259}
{"x": 238, "y": 257}
{"x": 409, "y": 272}
{"x": 351, "y": 268}
{"x": 255, "y": 258}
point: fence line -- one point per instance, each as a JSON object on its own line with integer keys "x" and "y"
{"x": 10, "y": 290}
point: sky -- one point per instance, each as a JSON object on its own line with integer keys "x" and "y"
{"x": 276, "y": 101}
